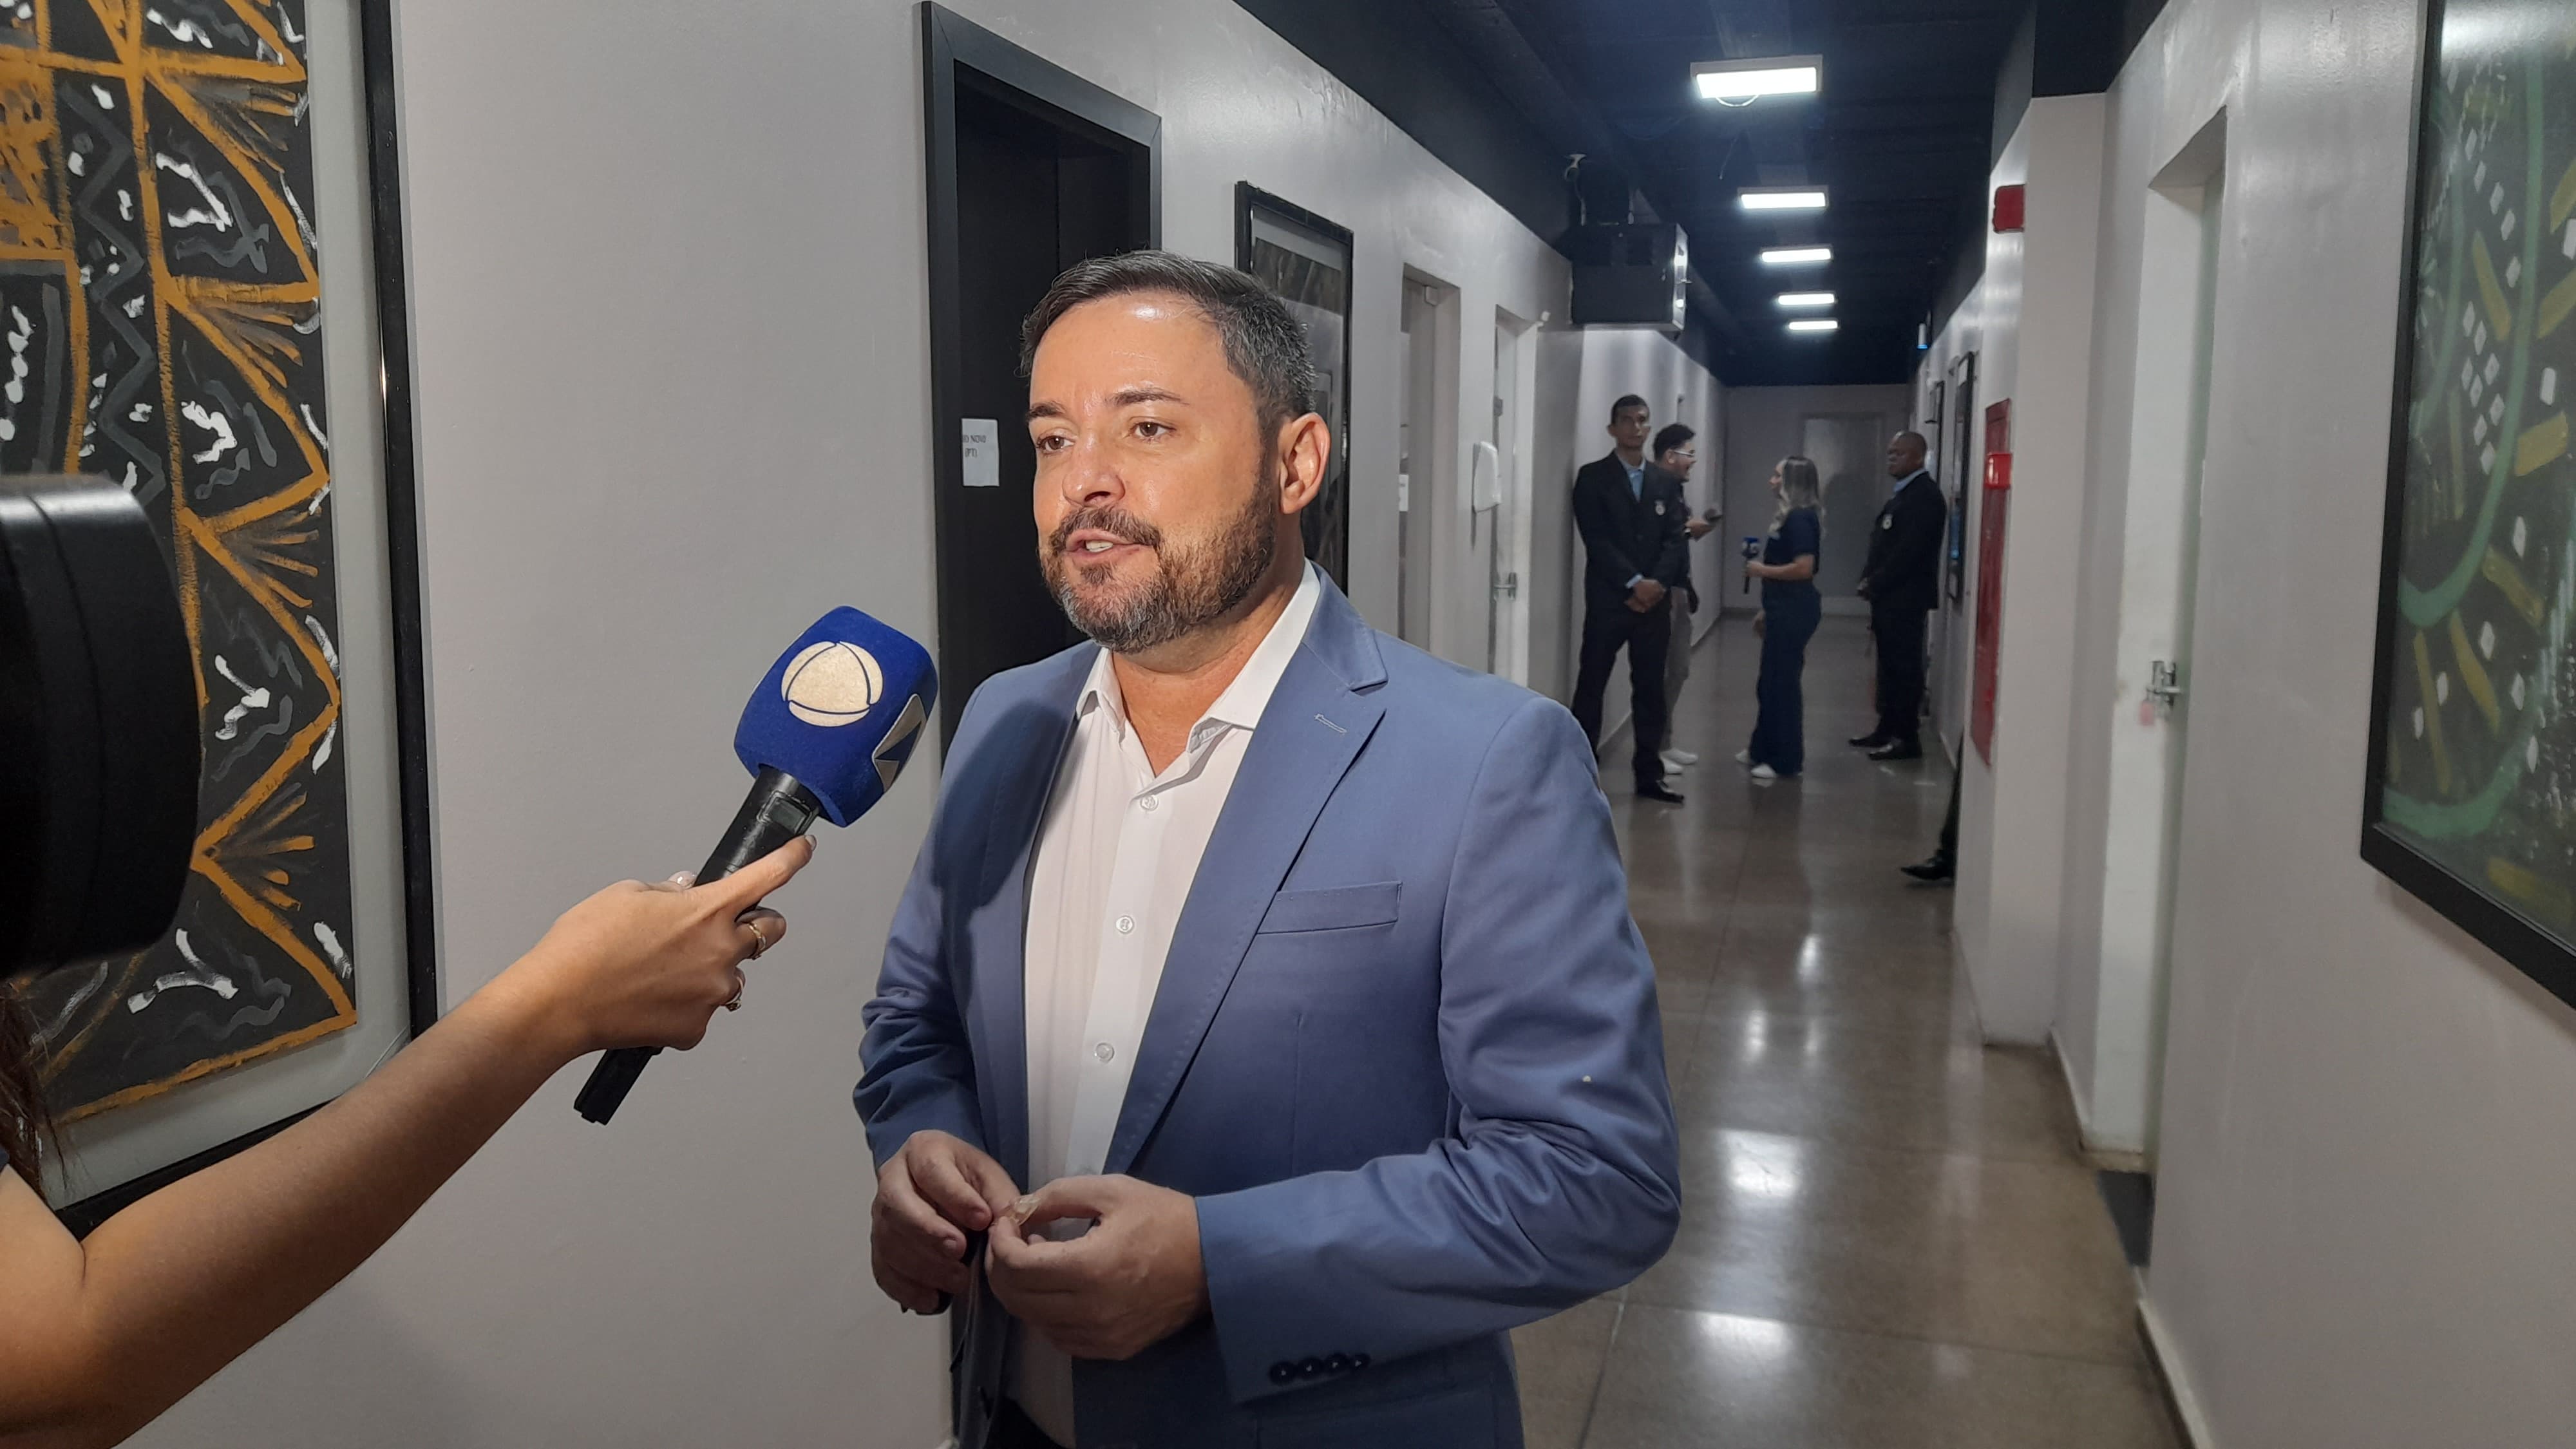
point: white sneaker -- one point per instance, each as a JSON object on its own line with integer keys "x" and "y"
{"x": 1682, "y": 758}
{"x": 1765, "y": 773}
{"x": 1744, "y": 757}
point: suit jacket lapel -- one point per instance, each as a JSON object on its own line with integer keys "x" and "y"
{"x": 1314, "y": 726}
{"x": 1015, "y": 808}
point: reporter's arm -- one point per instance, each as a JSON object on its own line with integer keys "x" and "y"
{"x": 98, "y": 1337}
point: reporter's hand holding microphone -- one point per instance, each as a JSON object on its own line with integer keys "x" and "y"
{"x": 650, "y": 964}
{"x": 99, "y": 1335}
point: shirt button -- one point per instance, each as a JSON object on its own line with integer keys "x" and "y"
{"x": 1104, "y": 1051}
{"x": 1146, "y": 804}
{"x": 1282, "y": 1372}
{"x": 1126, "y": 924}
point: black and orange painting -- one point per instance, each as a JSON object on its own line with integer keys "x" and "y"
{"x": 160, "y": 314}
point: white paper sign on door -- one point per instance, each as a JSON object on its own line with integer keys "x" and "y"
{"x": 983, "y": 449}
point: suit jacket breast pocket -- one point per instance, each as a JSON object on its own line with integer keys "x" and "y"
{"x": 1334, "y": 908}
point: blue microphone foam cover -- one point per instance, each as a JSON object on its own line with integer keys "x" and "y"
{"x": 842, "y": 711}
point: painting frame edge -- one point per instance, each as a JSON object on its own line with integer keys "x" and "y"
{"x": 2524, "y": 944}
{"x": 1248, "y": 196}
{"x": 387, "y": 256}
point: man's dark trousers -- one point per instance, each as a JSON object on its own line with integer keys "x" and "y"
{"x": 1646, "y": 637}
{"x": 1900, "y": 628}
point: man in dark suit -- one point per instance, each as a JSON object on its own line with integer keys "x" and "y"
{"x": 1902, "y": 581}
{"x": 1631, "y": 516}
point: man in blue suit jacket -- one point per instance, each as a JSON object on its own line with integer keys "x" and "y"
{"x": 1290, "y": 966}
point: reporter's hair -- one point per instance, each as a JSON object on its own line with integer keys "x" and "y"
{"x": 1630, "y": 400}
{"x": 25, "y": 1124}
{"x": 1799, "y": 488}
{"x": 1669, "y": 437}
{"x": 1264, "y": 345}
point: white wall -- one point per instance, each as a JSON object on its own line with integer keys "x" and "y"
{"x": 1766, "y": 424}
{"x": 2365, "y": 1186}
{"x": 2363, "y": 1179}
{"x": 671, "y": 334}
{"x": 2031, "y": 323}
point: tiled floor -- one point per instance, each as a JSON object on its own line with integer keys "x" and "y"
{"x": 1887, "y": 1237}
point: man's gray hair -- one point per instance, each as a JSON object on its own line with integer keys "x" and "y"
{"x": 1264, "y": 346}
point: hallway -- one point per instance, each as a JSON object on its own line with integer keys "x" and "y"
{"x": 1887, "y": 1237}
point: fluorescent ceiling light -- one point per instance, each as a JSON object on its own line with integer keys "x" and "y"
{"x": 1806, "y": 299}
{"x": 1736, "y": 82}
{"x": 1781, "y": 198}
{"x": 1812, "y": 324}
{"x": 1795, "y": 256}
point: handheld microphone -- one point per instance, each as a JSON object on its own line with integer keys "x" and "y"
{"x": 831, "y": 725}
{"x": 1752, "y": 551}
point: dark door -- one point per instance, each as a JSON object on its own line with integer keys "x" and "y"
{"x": 1031, "y": 170}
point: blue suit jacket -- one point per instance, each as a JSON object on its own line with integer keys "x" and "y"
{"x": 1405, "y": 1052}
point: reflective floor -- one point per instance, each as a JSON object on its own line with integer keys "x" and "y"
{"x": 1887, "y": 1237}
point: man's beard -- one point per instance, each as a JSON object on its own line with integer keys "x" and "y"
{"x": 1191, "y": 588}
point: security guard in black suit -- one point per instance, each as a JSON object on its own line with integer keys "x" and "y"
{"x": 1631, "y": 516}
{"x": 1902, "y": 581}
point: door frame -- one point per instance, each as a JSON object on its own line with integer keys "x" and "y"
{"x": 1518, "y": 515}
{"x": 957, "y": 52}
{"x": 1429, "y": 535}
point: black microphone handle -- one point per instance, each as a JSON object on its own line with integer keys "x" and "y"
{"x": 775, "y": 812}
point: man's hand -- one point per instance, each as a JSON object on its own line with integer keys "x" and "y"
{"x": 1646, "y": 595}
{"x": 1134, "y": 1280}
{"x": 930, "y": 1195}
{"x": 1698, "y": 528}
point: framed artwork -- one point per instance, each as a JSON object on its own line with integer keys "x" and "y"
{"x": 1958, "y": 469}
{"x": 2471, "y": 801}
{"x": 201, "y": 284}
{"x": 1306, "y": 260}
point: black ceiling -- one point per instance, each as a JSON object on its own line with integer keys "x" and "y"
{"x": 1507, "y": 90}
{"x": 1899, "y": 135}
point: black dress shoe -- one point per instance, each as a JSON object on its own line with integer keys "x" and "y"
{"x": 1658, "y": 790}
{"x": 1937, "y": 869}
{"x": 1871, "y": 741}
{"x": 1901, "y": 750}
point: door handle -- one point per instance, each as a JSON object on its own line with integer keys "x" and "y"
{"x": 2164, "y": 682}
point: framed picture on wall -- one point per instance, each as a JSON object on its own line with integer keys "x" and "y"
{"x": 1306, "y": 260}
{"x": 2471, "y": 801}
{"x": 205, "y": 303}
{"x": 1958, "y": 467}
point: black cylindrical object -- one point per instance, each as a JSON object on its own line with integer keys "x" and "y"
{"x": 98, "y": 725}
{"x": 777, "y": 810}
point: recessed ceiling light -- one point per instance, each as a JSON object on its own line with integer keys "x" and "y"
{"x": 1781, "y": 198}
{"x": 1795, "y": 256}
{"x": 1812, "y": 324}
{"x": 1806, "y": 299}
{"x": 1738, "y": 82}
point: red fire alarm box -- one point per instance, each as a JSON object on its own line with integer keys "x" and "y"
{"x": 2008, "y": 207}
{"x": 1994, "y": 508}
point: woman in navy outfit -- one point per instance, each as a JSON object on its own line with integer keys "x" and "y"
{"x": 1791, "y": 608}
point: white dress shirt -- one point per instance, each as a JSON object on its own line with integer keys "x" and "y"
{"x": 1116, "y": 856}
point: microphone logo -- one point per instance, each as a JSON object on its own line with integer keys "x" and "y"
{"x": 832, "y": 684}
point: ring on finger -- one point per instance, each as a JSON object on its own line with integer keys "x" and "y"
{"x": 734, "y": 1003}
{"x": 759, "y": 938}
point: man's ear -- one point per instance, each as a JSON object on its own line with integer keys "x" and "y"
{"x": 1305, "y": 451}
